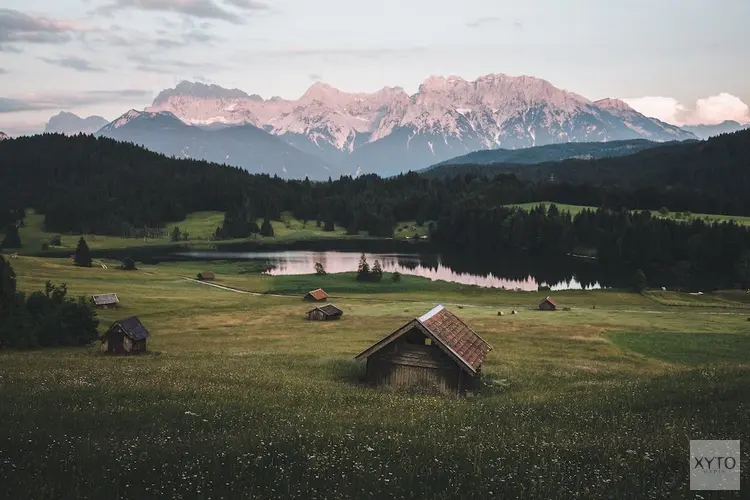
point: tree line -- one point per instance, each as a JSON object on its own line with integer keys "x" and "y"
{"x": 86, "y": 184}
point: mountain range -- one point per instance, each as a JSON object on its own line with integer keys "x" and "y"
{"x": 71, "y": 124}
{"x": 245, "y": 146}
{"x": 390, "y": 131}
{"x": 725, "y": 127}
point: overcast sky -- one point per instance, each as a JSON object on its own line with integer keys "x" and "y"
{"x": 680, "y": 60}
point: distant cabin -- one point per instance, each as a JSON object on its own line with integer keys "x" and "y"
{"x": 327, "y": 312}
{"x": 548, "y": 305}
{"x": 126, "y": 336}
{"x": 316, "y": 296}
{"x": 206, "y": 276}
{"x": 436, "y": 351}
{"x": 105, "y": 300}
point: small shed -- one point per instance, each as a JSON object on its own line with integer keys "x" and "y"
{"x": 548, "y": 305}
{"x": 206, "y": 276}
{"x": 437, "y": 351}
{"x": 327, "y": 312}
{"x": 105, "y": 300}
{"x": 317, "y": 295}
{"x": 126, "y": 336}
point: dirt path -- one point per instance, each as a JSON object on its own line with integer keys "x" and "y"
{"x": 223, "y": 287}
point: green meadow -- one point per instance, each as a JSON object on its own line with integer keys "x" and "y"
{"x": 241, "y": 397}
{"x": 677, "y": 216}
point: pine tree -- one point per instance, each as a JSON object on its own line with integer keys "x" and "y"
{"x": 363, "y": 270}
{"x": 82, "y": 255}
{"x": 12, "y": 238}
{"x": 266, "y": 229}
{"x": 377, "y": 272}
{"x": 7, "y": 280}
{"x": 175, "y": 235}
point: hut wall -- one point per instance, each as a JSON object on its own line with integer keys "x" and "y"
{"x": 546, "y": 306}
{"x": 406, "y": 363}
{"x": 316, "y": 315}
{"x": 138, "y": 346}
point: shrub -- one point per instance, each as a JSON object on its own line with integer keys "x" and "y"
{"x": 639, "y": 281}
{"x": 396, "y": 277}
{"x": 128, "y": 264}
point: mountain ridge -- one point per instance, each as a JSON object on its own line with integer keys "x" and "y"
{"x": 390, "y": 131}
{"x": 70, "y": 124}
{"x": 244, "y": 146}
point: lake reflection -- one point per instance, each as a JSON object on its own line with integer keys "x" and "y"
{"x": 427, "y": 266}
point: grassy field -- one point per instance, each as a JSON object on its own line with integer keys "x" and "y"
{"x": 200, "y": 226}
{"x": 241, "y": 397}
{"x": 684, "y": 217}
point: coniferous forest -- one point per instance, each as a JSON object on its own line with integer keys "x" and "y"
{"x": 94, "y": 185}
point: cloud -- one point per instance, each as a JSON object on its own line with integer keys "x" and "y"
{"x": 19, "y": 28}
{"x": 206, "y": 9}
{"x": 3, "y": 71}
{"x": 483, "y": 21}
{"x": 168, "y": 66}
{"x": 35, "y": 102}
{"x": 73, "y": 62}
{"x": 706, "y": 110}
{"x": 336, "y": 53}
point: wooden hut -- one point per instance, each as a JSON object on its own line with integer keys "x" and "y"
{"x": 437, "y": 351}
{"x": 327, "y": 312}
{"x": 548, "y": 305}
{"x": 316, "y": 296}
{"x": 126, "y": 336}
{"x": 105, "y": 300}
{"x": 206, "y": 276}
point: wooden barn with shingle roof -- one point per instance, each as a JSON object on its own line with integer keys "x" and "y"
{"x": 436, "y": 351}
{"x": 317, "y": 295}
{"x": 105, "y": 300}
{"x": 126, "y": 336}
{"x": 327, "y": 312}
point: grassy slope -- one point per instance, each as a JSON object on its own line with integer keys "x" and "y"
{"x": 249, "y": 399}
{"x": 200, "y": 226}
{"x": 575, "y": 209}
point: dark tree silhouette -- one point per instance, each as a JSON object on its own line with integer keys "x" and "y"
{"x": 83, "y": 255}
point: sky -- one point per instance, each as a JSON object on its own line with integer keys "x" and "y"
{"x": 683, "y": 61}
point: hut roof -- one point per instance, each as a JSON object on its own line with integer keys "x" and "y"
{"x": 451, "y": 334}
{"x": 318, "y": 294}
{"x": 133, "y": 328}
{"x": 549, "y": 300}
{"x": 207, "y": 275}
{"x": 328, "y": 310}
{"x": 105, "y": 299}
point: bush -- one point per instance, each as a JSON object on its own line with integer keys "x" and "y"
{"x": 396, "y": 277}
{"x": 664, "y": 211}
{"x": 45, "y": 318}
{"x": 12, "y": 238}
{"x": 128, "y": 264}
{"x": 639, "y": 281}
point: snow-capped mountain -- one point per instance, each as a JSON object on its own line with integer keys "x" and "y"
{"x": 244, "y": 146}
{"x": 4, "y": 136}
{"x": 390, "y": 131}
{"x": 71, "y": 124}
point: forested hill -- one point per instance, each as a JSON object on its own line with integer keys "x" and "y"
{"x": 90, "y": 184}
{"x": 552, "y": 152}
{"x": 720, "y": 164}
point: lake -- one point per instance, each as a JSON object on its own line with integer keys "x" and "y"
{"x": 509, "y": 272}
